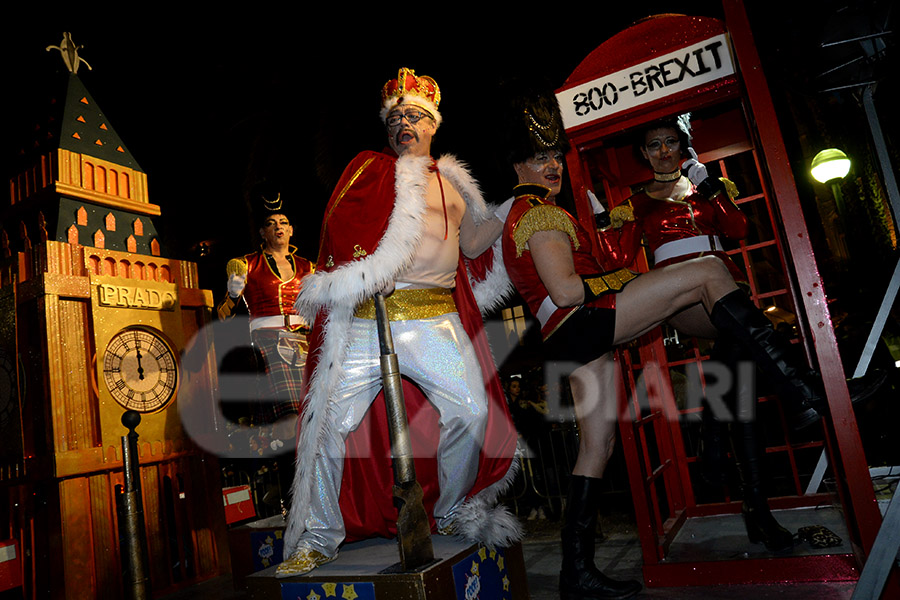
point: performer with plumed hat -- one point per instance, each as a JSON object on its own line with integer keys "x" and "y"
{"x": 399, "y": 222}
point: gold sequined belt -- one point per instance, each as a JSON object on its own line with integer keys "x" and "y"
{"x": 610, "y": 282}
{"x": 411, "y": 304}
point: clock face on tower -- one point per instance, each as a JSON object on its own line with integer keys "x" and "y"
{"x": 140, "y": 369}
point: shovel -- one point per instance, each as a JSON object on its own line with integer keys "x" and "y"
{"x": 413, "y": 530}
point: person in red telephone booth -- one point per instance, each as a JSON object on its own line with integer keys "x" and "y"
{"x": 685, "y": 213}
{"x": 587, "y": 307}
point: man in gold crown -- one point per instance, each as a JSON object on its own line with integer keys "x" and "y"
{"x": 398, "y": 223}
{"x": 268, "y": 282}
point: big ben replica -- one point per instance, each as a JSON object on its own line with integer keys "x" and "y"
{"x": 94, "y": 322}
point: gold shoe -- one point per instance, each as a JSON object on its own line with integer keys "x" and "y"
{"x": 301, "y": 562}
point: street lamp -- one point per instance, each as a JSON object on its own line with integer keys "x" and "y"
{"x": 830, "y": 166}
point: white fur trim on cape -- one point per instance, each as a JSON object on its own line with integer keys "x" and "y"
{"x": 340, "y": 291}
{"x": 492, "y": 291}
{"x": 355, "y": 281}
{"x": 482, "y": 519}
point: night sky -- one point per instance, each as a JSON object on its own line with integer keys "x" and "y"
{"x": 210, "y": 103}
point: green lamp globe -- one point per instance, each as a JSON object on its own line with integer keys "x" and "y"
{"x": 830, "y": 164}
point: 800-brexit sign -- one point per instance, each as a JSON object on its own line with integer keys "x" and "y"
{"x": 649, "y": 81}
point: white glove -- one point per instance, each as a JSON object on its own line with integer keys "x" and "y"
{"x": 595, "y": 204}
{"x": 696, "y": 170}
{"x": 503, "y": 210}
{"x": 236, "y": 285}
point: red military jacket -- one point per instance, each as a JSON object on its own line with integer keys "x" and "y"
{"x": 666, "y": 220}
{"x": 532, "y": 212}
{"x": 266, "y": 293}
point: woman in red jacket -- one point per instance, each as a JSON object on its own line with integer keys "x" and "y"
{"x": 684, "y": 214}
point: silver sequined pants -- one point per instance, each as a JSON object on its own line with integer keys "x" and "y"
{"x": 438, "y": 356}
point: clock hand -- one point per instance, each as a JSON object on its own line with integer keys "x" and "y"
{"x": 140, "y": 368}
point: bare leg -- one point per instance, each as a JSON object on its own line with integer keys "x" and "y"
{"x": 593, "y": 390}
{"x": 694, "y": 321}
{"x": 656, "y": 296}
{"x": 643, "y": 304}
{"x": 595, "y": 405}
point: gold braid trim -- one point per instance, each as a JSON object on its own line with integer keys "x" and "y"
{"x": 543, "y": 217}
{"x": 225, "y": 308}
{"x": 334, "y": 206}
{"x": 612, "y": 281}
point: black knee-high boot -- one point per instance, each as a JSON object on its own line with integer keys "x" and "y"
{"x": 736, "y": 316}
{"x": 579, "y": 578}
{"x": 800, "y": 388}
{"x": 740, "y": 401}
{"x": 761, "y": 525}
{"x": 712, "y": 448}
{"x": 713, "y": 431}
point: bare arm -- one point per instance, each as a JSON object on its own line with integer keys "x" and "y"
{"x": 475, "y": 239}
{"x": 552, "y": 256}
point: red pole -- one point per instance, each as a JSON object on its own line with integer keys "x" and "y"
{"x": 864, "y": 507}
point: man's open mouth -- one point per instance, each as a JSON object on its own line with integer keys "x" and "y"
{"x": 406, "y": 136}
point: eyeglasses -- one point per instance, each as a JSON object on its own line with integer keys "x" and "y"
{"x": 672, "y": 143}
{"x": 412, "y": 117}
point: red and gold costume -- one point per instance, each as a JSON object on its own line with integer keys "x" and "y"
{"x": 677, "y": 230}
{"x": 276, "y": 329}
{"x": 266, "y": 293}
{"x": 370, "y": 233}
{"x": 532, "y": 212}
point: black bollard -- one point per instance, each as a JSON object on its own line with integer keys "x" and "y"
{"x": 134, "y": 548}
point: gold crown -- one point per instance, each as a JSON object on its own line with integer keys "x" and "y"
{"x": 423, "y": 89}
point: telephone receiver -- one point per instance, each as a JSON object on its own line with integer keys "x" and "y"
{"x": 601, "y": 215}
{"x": 693, "y": 155}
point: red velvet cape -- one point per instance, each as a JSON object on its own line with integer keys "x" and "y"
{"x": 355, "y": 220}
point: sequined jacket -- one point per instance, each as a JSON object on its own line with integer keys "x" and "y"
{"x": 664, "y": 220}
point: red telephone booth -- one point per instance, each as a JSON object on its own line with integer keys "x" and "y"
{"x": 667, "y": 65}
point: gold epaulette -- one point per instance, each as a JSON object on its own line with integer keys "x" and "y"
{"x": 730, "y": 188}
{"x": 620, "y": 214}
{"x": 542, "y": 217}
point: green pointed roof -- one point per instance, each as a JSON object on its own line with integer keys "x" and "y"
{"x": 83, "y": 127}
{"x": 73, "y": 121}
